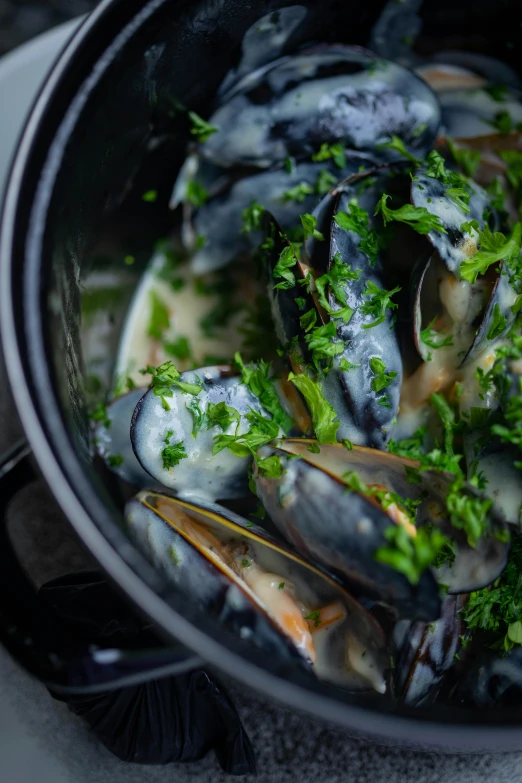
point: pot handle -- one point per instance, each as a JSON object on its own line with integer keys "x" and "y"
{"x": 95, "y": 671}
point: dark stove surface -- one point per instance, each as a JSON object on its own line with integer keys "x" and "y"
{"x": 39, "y": 738}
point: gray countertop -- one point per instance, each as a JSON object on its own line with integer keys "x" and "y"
{"x": 41, "y": 741}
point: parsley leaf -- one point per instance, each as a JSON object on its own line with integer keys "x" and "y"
{"x": 173, "y": 453}
{"x": 201, "y": 129}
{"x": 468, "y": 159}
{"x": 256, "y": 376}
{"x": 298, "y": 193}
{"x": 398, "y": 145}
{"x": 197, "y": 415}
{"x": 115, "y": 460}
{"x": 159, "y": 320}
{"x": 460, "y": 197}
{"x": 221, "y": 415}
{"x": 378, "y": 301}
{"x": 494, "y": 248}
{"x": 179, "y": 349}
{"x": 282, "y": 269}
{"x": 335, "y": 151}
{"x": 270, "y": 467}
{"x": 411, "y": 555}
{"x": 503, "y": 123}
{"x": 497, "y": 91}
{"x": 251, "y": 217}
{"x": 150, "y": 196}
{"x": 432, "y": 338}
{"x": 417, "y": 218}
{"x": 261, "y": 432}
{"x": 309, "y": 223}
{"x": 164, "y": 378}
{"x": 322, "y": 413}
{"x": 197, "y": 194}
{"x": 100, "y": 414}
{"x": 325, "y": 180}
{"x": 498, "y": 323}
{"x": 381, "y": 379}
{"x": 336, "y": 278}
{"x": 322, "y": 342}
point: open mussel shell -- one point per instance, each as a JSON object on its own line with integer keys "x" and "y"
{"x": 316, "y": 512}
{"x": 469, "y": 114}
{"x": 327, "y": 94}
{"x": 455, "y": 245}
{"x": 219, "y": 221}
{"x": 502, "y": 299}
{"x": 494, "y": 461}
{"x": 340, "y": 529}
{"x": 467, "y": 311}
{"x": 113, "y": 442}
{"x": 200, "y": 474}
{"x": 423, "y": 653}
{"x": 259, "y": 589}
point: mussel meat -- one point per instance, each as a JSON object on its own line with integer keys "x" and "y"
{"x": 259, "y": 589}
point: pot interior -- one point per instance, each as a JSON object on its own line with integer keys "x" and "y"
{"x": 112, "y": 131}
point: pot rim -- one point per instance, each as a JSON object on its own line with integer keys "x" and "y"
{"x": 41, "y": 415}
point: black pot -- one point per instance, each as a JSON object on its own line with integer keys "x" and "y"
{"x": 104, "y": 129}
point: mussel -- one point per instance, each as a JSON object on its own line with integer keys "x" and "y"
{"x": 323, "y": 95}
{"x": 318, "y": 504}
{"x": 160, "y": 424}
{"x": 285, "y": 194}
{"x": 259, "y": 589}
{"x": 113, "y": 443}
{"x": 424, "y": 653}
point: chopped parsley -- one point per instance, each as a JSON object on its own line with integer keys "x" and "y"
{"x": 503, "y": 123}
{"x": 378, "y": 301}
{"x": 323, "y": 415}
{"x": 99, "y": 413}
{"x": 150, "y": 196}
{"x": 469, "y": 226}
{"x": 221, "y": 415}
{"x": 159, "y": 319}
{"x": 251, "y": 218}
{"x": 511, "y": 431}
{"x": 325, "y": 180}
{"x": 179, "y": 349}
{"x": 460, "y": 197}
{"x": 345, "y": 365}
{"x": 498, "y": 323}
{"x": 282, "y": 269}
{"x": 173, "y": 453}
{"x": 398, "y": 145}
{"x": 497, "y": 610}
{"x": 281, "y": 586}
{"x": 358, "y": 221}
{"x": 314, "y": 617}
{"x": 197, "y": 415}
{"x": 334, "y": 151}
{"x": 309, "y": 223}
{"x": 256, "y": 376}
{"x": 324, "y": 345}
{"x": 261, "y": 432}
{"x": 513, "y": 159}
{"x": 468, "y": 159}
{"x": 197, "y": 194}
{"x": 201, "y": 129}
{"x": 381, "y": 379}
{"x": 411, "y": 555}
{"x": 164, "y": 378}
{"x": 269, "y": 467}
{"x": 433, "y": 339}
{"x": 494, "y": 248}
{"x": 498, "y": 92}
{"x": 115, "y": 460}
{"x": 298, "y": 193}
{"x": 418, "y": 218}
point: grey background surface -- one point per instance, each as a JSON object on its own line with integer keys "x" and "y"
{"x": 41, "y": 741}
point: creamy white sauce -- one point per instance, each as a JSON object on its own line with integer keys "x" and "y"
{"x": 186, "y": 309}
